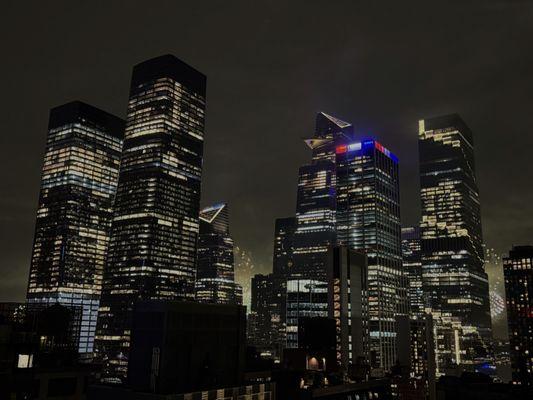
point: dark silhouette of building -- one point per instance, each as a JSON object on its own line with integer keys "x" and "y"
{"x": 312, "y": 371}
{"x": 40, "y": 335}
{"x": 181, "y": 347}
{"x": 267, "y": 320}
{"x": 475, "y": 386}
{"x": 454, "y": 280}
{"x": 283, "y": 262}
{"x": 152, "y": 250}
{"x": 215, "y": 277}
{"x": 78, "y": 185}
{"x": 306, "y": 298}
{"x": 316, "y": 349}
{"x": 405, "y": 387}
{"x": 264, "y": 391}
{"x": 518, "y": 273}
{"x": 39, "y": 356}
{"x": 374, "y": 389}
{"x": 347, "y": 274}
{"x": 266, "y": 330}
{"x": 313, "y": 363}
{"x": 284, "y": 246}
{"x": 421, "y": 361}
{"x": 318, "y": 335}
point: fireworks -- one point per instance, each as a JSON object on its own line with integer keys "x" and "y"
{"x": 244, "y": 270}
{"x": 497, "y": 304}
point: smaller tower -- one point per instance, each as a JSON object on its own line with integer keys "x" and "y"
{"x": 215, "y": 278}
{"x": 518, "y": 272}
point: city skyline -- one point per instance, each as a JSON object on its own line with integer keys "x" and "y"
{"x": 101, "y": 81}
{"x": 277, "y": 200}
{"x": 282, "y": 201}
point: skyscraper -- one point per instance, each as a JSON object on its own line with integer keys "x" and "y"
{"x": 422, "y": 361}
{"x": 451, "y": 239}
{"x": 412, "y": 266}
{"x": 316, "y": 203}
{"x": 301, "y": 244}
{"x": 267, "y": 321}
{"x": 368, "y": 220}
{"x": 266, "y": 328}
{"x": 283, "y": 261}
{"x": 215, "y": 277}
{"x": 78, "y": 186}
{"x": 349, "y": 196}
{"x": 518, "y": 271}
{"x": 284, "y": 245}
{"x": 152, "y": 252}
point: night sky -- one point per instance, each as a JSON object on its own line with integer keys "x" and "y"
{"x": 271, "y": 66}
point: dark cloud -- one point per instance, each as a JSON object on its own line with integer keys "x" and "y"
{"x": 270, "y": 67}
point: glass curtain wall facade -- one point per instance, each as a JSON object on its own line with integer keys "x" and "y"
{"x": 518, "y": 272}
{"x": 454, "y": 280}
{"x": 78, "y": 186}
{"x": 305, "y": 298}
{"x": 152, "y": 251}
{"x": 269, "y": 294}
{"x": 315, "y": 203}
{"x": 349, "y": 196}
{"x": 284, "y": 246}
{"x": 266, "y": 329}
{"x": 283, "y": 261}
{"x": 412, "y": 266}
{"x": 368, "y": 220}
{"x": 215, "y": 278}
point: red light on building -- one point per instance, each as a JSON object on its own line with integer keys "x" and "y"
{"x": 341, "y": 149}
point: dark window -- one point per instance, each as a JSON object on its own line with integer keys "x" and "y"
{"x": 62, "y": 386}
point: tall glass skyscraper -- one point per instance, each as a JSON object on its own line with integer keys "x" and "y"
{"x": 78, "y": 186}
{"x": 454, "y": 280}
{"x": 368, "y": 220}
{"x": 349, "y": 196}
{"x": 152, "y": 252}
{"x": 215, "y": 277}
{"x": 266, "y": 329}
{"x": 269, "y": 294}
{"x": 316, "y": 202}
{"x": 421, "y": 324}
{"x": 518, "y": 271}
{"x": 284, "y": 245}
{"x": 283, "y": 260}
{"x": 412, "y": 266}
